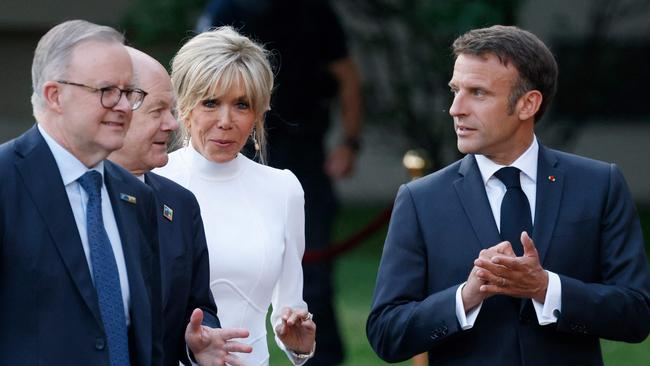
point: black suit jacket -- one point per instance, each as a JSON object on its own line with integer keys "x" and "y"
{"x": 185, "y": 268}
{"x": 48, "y": 305}
{"x": 586, "y": 230}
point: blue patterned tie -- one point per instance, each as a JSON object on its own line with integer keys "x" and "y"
{"x": 515, "y": 209}
{"x": 107, "y": 279}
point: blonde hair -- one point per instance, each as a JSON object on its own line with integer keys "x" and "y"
{"x": 215, "y": 61}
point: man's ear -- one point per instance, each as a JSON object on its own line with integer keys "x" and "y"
{"x": 52, "y": 95}
{"x": 529, "y": 104}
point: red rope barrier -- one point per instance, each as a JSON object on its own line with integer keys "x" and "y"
{"x": 350, "y": 243}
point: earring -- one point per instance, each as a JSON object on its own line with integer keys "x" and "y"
{"x": 254, "y": 137}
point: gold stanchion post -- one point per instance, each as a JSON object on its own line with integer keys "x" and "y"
{"x": 416, "y": 162}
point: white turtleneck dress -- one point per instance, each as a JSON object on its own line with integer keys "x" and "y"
{"x": 254, "y": 226}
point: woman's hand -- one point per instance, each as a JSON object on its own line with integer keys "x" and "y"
{"x": 297, "y": 330}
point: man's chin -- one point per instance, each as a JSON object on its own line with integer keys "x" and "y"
{"x": 113, "y": 145}
{"x": 465, "y": 148}
{"x": 158, "y": 162}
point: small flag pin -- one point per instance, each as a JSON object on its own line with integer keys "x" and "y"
{"x": 128, "y": 198}
{"x": 551, "y": 178}
{"x": 168, "y": 213}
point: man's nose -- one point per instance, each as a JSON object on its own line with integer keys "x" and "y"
{"x": 457, "y": 107}
{"x": 169, "y": 123}
{"x": 123, "y": 104}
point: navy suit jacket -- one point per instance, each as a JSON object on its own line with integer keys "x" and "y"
{"x": 49, "y": 313}
{"x": 586, "y": 230}
{"x": 185, "y": 264}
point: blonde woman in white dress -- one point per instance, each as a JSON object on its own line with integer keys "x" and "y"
{"x": 253, "y": 214}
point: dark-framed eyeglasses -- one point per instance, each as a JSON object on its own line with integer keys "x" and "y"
{"x": 111, "y": 95}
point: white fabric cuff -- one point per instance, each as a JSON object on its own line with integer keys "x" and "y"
{"x": 466, "y": 321}
{"x": 552, "y": 302}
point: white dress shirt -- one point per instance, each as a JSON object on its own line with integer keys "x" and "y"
{"x": 72, "y": 169}
{"x": 496, "y": 190}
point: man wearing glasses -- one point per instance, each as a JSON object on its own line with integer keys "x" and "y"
{"x": 79, "y": 265}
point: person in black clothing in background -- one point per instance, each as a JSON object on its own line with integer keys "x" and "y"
{"x": 313, "y": 68}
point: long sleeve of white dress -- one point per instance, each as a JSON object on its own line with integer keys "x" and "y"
{"x": 288, "y": 287}
{"x": 254, "y": 224}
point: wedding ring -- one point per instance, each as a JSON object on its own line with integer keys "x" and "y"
{"x": 308, "y": 317}
{"x": 503, "y": 282}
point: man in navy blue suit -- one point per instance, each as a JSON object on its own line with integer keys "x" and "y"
{"x": 452, "y": 282}
{"x": 183, "y": 251}
{"x": 79, "y": 269}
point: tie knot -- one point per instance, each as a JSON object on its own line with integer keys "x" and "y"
{"x": 509, "y": 176}
{"x": 91, "y": 182}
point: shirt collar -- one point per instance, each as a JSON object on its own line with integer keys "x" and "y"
{"x": 69, "y": 166}
{"x": 527, "y": 163}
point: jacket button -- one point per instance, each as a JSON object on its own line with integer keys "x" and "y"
{"x": 100, "y": 344}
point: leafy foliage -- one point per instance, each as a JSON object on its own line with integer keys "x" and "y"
{"x": 404, "y": 52}
{"x": 149, "y": 22}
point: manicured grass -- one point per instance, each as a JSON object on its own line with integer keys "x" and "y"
{"x": 355, "y": 280}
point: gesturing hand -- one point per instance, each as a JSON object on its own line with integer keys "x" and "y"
{"x": 297, "y": 330}
{"x": 213, "y": 346}
{"x": 514, "y": 276}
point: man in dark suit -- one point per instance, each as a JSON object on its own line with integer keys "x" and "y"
{"x": 516, "y": 254}
{"x": 79, "y": 270}
{"x": 183, "y": 251}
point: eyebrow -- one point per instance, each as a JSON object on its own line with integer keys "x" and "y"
{"x": 110, "y": 83}
{"x": 243, "y": 97}
{"x": 159, "y": 103}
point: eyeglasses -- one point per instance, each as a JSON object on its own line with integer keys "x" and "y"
{"x": 111, "y": 95}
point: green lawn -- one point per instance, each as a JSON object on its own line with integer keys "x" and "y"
{"x": 355, "y": 279}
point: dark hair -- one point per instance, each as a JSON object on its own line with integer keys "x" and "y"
{"x": 533, "y": 60}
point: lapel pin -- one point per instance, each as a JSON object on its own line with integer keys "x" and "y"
{"x": 168, "y": 213}
{"x": 128, "y": 198}
{"x": 551, "y": 178}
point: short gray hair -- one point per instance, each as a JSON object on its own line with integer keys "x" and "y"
{"x": 52, "y": 54}
{"x": 220, "y": 57}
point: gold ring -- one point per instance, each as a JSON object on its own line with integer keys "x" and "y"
{"x": 308, "y": 317}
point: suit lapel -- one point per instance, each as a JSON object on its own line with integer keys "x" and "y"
{"x": 128, "y": 226}
{"x": 550, "y": 184}
{"x": 163, "y": 233}
{"x": 42, "y": 179}
{"x": 471, "y": 193}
